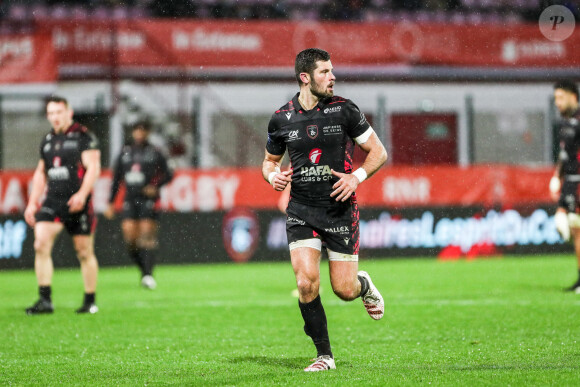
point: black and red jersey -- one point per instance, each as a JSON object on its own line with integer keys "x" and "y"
{"x": 139, "y": 165}
{"x": 63, "y": 166}
{"x": 570, "y": 144}
{"x": 317, "y": 141}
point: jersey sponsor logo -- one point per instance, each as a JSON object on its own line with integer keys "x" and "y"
{"x": 346, "y": 240}
{"x": 70, "y": 144}
{"x": 312, "y": 131}
{"x": 293, "y": 135}
{"x": 334, "y": 109}
{"x": 135, "y": 178}
{"x": 58, "y": 173}
{"x": 314, "y": 155}
{"x": 331, "y": 130}
{"x": 339, "y": 229}
{"x": 288, "y": 115}
{"x": 363, "y": 119}
{"x": 296, "y": 220}
{"x": 317, "y": 173}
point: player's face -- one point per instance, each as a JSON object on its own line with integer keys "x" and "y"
{"x": 322, "y": 84}
{"x": 565, "y": 101}
{"x": 59, "y": 115}
{"x": 140, "y": 135}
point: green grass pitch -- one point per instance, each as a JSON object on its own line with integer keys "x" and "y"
{"x": 497, "y": 321}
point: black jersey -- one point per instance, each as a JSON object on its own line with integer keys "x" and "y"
{"x": 317, "y": 141}
{"x": 570, "y": 144}
{"x": 63, "y": 166}
{"x": 138, "y": 166}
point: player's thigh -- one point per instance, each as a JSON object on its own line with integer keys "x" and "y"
{"x": 45, "y": 234}
{"x": 343, "y": 274}
{"x": 148, "y": 227}
{"x": 306, "y": 263}
{"x": 130, "y": 229}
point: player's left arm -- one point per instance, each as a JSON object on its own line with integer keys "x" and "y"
{"x": 376, "y": 157}
{"x": 91, "y": 160}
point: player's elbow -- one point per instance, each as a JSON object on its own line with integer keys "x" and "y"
{"x": 383, "y": 156}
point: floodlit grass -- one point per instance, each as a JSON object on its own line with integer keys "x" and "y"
{"x": 500, "y": 321}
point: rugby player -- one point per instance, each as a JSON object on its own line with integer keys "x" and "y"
{"x": 319, "y": 131}
{"x": 564, "y": 183}
{"x": 69, "y": 165}
{"x": 143, "y": 169}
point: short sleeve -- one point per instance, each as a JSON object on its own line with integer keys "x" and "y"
{"x": 357, "y": 123}
{"x": 88, "y": 141}
{"x": 276, "y": 144}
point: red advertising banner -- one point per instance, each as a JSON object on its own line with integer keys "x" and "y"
{"x": 27, "y": 58}
{"x": 204, "y": 45}
{"x": 391, "y": 187}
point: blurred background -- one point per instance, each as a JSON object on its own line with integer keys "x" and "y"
{"x": 460, "y": 92}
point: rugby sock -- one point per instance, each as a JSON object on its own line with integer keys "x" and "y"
{"x": 45, "y": 292}
{"x": 315, "y": 325}
{"x": 89, "y": 298}
{"x": 364, "y": 285}
{"x": 135, "y": 255}
{"x": 148, "y": 260}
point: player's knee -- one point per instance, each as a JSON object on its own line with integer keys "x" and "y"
{"x": 307, "y": 286}
{"x": 42, "y": 246}
{"x": 147, "y": 242}
{"x": 346, "y": 293}
{"x": 84, "y": 254}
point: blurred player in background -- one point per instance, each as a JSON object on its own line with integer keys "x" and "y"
{"x": 564, "y": 183}
{"x": 143, "y": 169}
{"x": 70, "y": 163}
{"x": 319, "y": 131}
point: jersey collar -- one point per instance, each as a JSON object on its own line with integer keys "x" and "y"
{"x": 300, "y": 109}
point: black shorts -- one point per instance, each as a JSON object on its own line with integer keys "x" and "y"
{"x": 139, "y": 208}
{"x": 337, "y": 226}
{"x": 78, "y": 223}
{"x": 569, "y": 196}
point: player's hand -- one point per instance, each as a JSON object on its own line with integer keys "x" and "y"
{"x": 76, "y": 203}
{"x": 345, "y": 186}
{"x": 29, "y": 214}
{"x": 281, "y": 180}
{"x": 150, "y": 191}
{"x": 109, "y": 212}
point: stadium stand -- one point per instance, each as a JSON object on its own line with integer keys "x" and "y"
{"x": 436, "y": 11}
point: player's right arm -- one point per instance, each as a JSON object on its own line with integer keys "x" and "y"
{"x": 275, "y": 149}
{"x": 109, "y": 212}
{"x": 271, "y": 171}
{"x": 38, "y": 185}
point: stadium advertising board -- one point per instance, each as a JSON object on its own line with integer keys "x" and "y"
{"x": 27, "y": 58}
{"x": 242, "y": 235}
{"x": 202, "y": 46}
{"x": 394, "y": 187}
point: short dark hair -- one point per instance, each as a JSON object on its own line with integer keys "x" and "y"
{"x": 56, "y": 99}
{"x": 567, "y": 85}
{"x": 306, "y": 61}
{"x": 141, "y": 124}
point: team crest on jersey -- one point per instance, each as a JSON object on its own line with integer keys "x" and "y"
{"x": 314, "y": 155}
{"x": 56, "y": 162}
{"x": 312, "y": 131}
